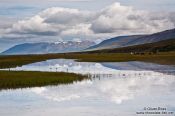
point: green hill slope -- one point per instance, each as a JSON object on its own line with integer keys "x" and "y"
{"x": 161, "y": 46}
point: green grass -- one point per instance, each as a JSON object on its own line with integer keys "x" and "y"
{"x": 23, "y": 79}
{"x": 160, "y": 58}
{"x": 19, "y": 60}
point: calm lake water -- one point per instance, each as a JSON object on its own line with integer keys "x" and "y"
{"x": 116, "y": 89}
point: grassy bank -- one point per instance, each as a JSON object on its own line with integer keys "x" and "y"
{"x": 161, "y": 58}
{"x": 22, "y": 79}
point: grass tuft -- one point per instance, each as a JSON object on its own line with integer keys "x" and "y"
{"x": 23, "y": 79}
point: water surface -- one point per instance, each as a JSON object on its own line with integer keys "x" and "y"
{"x": 116, "y": 89}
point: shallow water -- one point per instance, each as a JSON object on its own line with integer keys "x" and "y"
{"x": 117, "y": 89}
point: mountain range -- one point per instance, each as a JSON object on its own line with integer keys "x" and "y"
{"x": 44, "y": 48}
{"x": 130, "y": 43}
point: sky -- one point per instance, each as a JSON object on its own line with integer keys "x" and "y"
{"x": 23, "y": 21}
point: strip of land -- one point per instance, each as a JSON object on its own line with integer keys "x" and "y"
{"x": 23, "y": 79}
{"x": 19, "y": 60}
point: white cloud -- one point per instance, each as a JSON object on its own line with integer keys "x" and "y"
{"x": 113, "y": 20}
{"x": 66, "y": 16}
{"x": 117, "y": 18}
{"x": 34, "y": 25}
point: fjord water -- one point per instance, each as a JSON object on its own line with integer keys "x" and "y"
{"x": 115, "y": 89}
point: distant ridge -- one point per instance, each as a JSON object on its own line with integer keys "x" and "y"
{"x": 123, "y": 41}
{"x": 44, "y": 48}
{"x": 160, "y": 46}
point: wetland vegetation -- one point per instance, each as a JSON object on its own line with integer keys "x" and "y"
{"x": 23, "y": 79}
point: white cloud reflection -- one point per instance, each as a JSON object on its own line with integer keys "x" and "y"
{"x": 117, "y": 90}
{"x": 115, "y": 82}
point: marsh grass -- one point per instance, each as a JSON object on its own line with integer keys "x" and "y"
{"x": 19, "y": 60}
{"x": 23, "y": 79}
